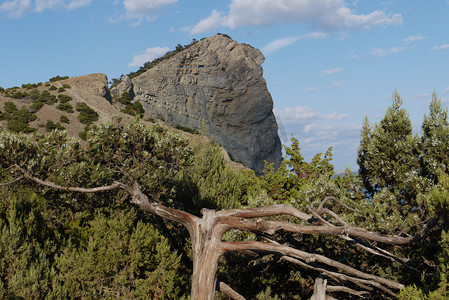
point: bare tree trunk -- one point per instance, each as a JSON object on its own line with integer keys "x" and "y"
{"x": 206, "y": 253}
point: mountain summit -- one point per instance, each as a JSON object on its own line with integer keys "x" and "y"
{"x": 218, "y": 84}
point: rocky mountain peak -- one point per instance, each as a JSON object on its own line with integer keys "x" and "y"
{"x": 217, "y": 83}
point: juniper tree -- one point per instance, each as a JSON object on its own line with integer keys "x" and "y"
{"x": 435, "y": 140}
{"x": 388, "y": 154}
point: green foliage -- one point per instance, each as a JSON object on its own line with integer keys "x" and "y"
{"x": 217, "y": 185}
{"x": 64, "y": 98}
{"x": 388, "y": 155}
{"x": 64, "y": 119}
{"x": 121, "y": 257}
{"x": 67, "y": 107}
{"x": 50, "y": 125}
{"x": 87, "y": 114}
{"x": 295, "y": 176}
{"x": 125, "y": 98}
{"x": 18, "y": 120}
{"x": 66, "y": 86}
{"x": 149, "y": 65}
{"x": 61, "y": 89}
{"x": 187, "y": 129}
{"x": 435, "y": 141}
{"x": 10, "y": 107}
{"x": 57, "y": 78}
{"x": 28, "y": 244}
{"x": 133, "y": 109}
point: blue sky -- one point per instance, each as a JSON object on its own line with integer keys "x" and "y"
{"x": 328, "y": 62}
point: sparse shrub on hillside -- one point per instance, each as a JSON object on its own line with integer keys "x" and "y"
{"x": 187, "y": 129}
{"x": 64, "y": 119}
{"x": 2, "y": 89}
{"x": 133, "y": 109}
{"x": 35, "y": 107}
{"x": 52, "y": 88}
{"x": 20, "y": 119}
{"x": 64, "y": 98}
{"x": 47, "y": 84}
{"x": 61, "y": 89}
{"x": 47, "y": 98}
{"x": 66, "y": 86}
{"x": 30, "y": 86}
{"x": 149, "y": 65}
{"x": 57, "y": 78}
{"x": 83, "y": 134}
{"x": 87, "y": 115}
{"x": 10, "y": 107}
{"x": 125, "y": 98}
{"x": 67, "y": 107}
{"x": 15, "y": 93}
{"x": 50, "y": 125}
{"x": 34, "y": 94}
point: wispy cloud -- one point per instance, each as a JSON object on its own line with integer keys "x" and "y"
{"x": 330, "y": 15}
{"x": 441, "y": 47}
{"x": 18, "y": 8}
{"x": 337, "y": 84}
{"x": 149, "y": 55}
{"x": 317, "y": 132}
{"x": 140, "y": 10}
{"x": 312, "y": 88}
{"x": 412, "y": 39}
{"x": 285, "y": 42}
{"x": 330, "y": 71}
{"x": 406, "y": 44}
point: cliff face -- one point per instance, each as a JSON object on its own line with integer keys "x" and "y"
{"x": 219, "y": 82}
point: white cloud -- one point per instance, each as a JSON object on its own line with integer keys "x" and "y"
{"x": 18, "y": 8}
{"x": 412, "y": 39}
{"x": 305, "y": 114}
{"x": 406, "y": 44}
{"x": 330, "y": 15}
{"x": 74, "y": 4}
{"x": 441, "y": 47}
{"x": 381, "y": 52}
{"x": 216, "y": 19}
{"x": 330, "y": 71}
{"x": 337, "y": 84}
{"x": 317, "y": 132}
{"x": 149, "y": 55}
{"x": 285, "y": 42}
{"x": 144, "y": 9}
{"x": 312, "y": 89}
{"x": 42, "y": 5}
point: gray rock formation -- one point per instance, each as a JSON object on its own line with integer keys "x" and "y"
{"x": 125, "y": 85}
{"x": 219, "y": 82}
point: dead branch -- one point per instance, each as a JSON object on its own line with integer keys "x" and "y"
{"x": 227, "y": 290}
{"x": 206, "y": 234}
{"x": 11, "y": 182}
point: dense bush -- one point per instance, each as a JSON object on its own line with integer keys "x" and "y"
{"x": 57, "y": 78}
{"x": 19, "y": 121}
{"x": 64, "y": 98}
{"x": 87, "y": 114}
{"x": 67, "y": 107}
{"x": 64, "y": 119}
{"x": 50, "y": 125}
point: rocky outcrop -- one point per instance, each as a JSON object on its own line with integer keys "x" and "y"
{"x": 219, "y": 83}
{"x": 125, "y": 85}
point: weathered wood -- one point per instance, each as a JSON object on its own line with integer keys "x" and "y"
{"x": 207, "y": 245}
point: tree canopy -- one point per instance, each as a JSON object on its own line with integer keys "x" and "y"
{"x": 136, "y": 211}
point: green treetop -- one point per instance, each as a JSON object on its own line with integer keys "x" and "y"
{"x": 387, "y": 153}
{"x": 435, "y": 140}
